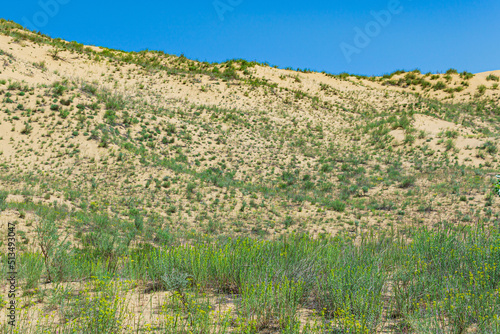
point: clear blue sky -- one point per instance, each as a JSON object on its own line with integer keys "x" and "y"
{"x": 429, "y": 35}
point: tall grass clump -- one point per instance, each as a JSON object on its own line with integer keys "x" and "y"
{"x": 192, "y": 312}
{"x": 271, "y": 304}
{"x": 273, "y": 279}
{"x": 3, "y": 197}
{"x": 447, "y": 282}
{"x": 449, "y": 278}
{"x": 351, "y": 291}
{"x": 101, "y": 308}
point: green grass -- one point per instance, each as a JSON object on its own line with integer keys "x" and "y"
{"x": 421, "y": 281}
{"x": 492, "y": 77}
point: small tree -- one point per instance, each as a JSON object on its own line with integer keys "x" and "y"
{"x": 54, "y": 53}
{"x": 55, "y": 252}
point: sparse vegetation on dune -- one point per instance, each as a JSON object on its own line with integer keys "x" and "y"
{"x": 153, "y": 193}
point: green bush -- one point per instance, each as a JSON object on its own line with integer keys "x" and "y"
{"x": 27, "y": 129}
{"x": 439, "y": 85}
{"x": 481, "y": 89}
{"x": 492, "y": 77}
{"x": 336, "y": 205}
{"x": 59, "y": 88}
{"x": 90, "y": 89}
{"x": 466, "y": 75}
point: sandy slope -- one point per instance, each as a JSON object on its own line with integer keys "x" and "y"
{"x": 289, "y": 118}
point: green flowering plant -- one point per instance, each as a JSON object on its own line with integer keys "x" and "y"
{"x": 496, "y": 187}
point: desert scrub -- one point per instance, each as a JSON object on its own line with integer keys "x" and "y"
{"x": 344, "y": 280}
{"x": 496, "y": 186}
{"x": 273, "y": 278}
{"x": 101, "y": 307}
{"x": 271, "y": 304}
{"x": 481, "y": 89}
{"x": 31, "y": 269}
{"x": 3, "y": 197}
{"x": 56, "y": 252}
{"x": 492, "y": 77}
{"x": 352, "y": 291}
{"x": 449, "y": 280}
{"x": 191, "y": 312}
{"x": 448, "y": 277}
